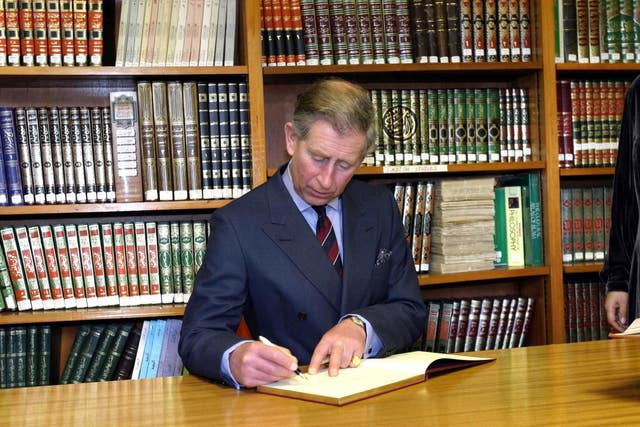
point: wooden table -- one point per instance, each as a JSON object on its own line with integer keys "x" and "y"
{"x": 592, "y": 383}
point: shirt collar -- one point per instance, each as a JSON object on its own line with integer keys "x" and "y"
{"x": 299, "y": 201}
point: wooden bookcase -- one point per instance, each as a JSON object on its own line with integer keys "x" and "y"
{"x": 272, "y": 92}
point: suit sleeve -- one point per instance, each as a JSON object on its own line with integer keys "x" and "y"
{"x": 215, "y": 307}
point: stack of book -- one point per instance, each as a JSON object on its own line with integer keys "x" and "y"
{"x": 93, "y": 265}
{"x": 177, "y": 33}
{"x": 119, "y": 351}
{"x": 54, "y": 33}
{"x": 476, "y": 324}
{"x": 25, "y": 355}
{"x": 463, "y": 225}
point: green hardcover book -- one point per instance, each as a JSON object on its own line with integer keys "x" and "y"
{"x": 115, "y": 352}
{"x": 87, "y": 351}
{"x": 100, "y": 354}
{"x": 199, "y": 244}
{"x": 443, "y": 130}
{"x": 598, "y": 223}
{"x": 507, "y": 153}
{"x": 386, "y": 110}
{"x": 480, "y": 120}
{"x": 164, "y": 261}
{"x": 176, "y": 263}
{"x": 413, "y": 131}
{"x": 433, "y": 134}
{"x": 470, "y": 126}
{"x": 78, "y": 342}
{"x": 127, "y": 359}
{"x": 423, "y": 125}
{"x": 627, "y": 27}
{"x": 493, "y": 125}
{"x": 4, "y": 354}
{"x": 587, "y": 223}
{"x": 17, "y": 369}
{"x": 500, "y": 234}
{"x": 378, "y": 155}
{"x": 186, "y": 259}
{"x": 405, "y": 115}
{"x": 44, "y": 355}
{"x": 612, "y": 35}
{"x": 513, "y": 215}
{"x": 450, "y": 122}
{"x": 7, "y": 297}
{"x": 31, "y": 359}
{"x": 577, "y": 214}
{"x": 460, "y": 125}
{"x": 394, "y": 126}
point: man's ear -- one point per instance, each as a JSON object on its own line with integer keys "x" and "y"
{"x": 290, "y": 138}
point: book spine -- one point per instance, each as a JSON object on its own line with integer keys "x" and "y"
{"x": 567, "y": 224}
{"x": 142, "y": 262}
{"x": 515, "y": 240}
{"x": 12, "y": 23}
{"x": 245, "y": 138}
{"x": 88, "y": 273}
{"x": 73, "y": 246}
{"x": 453, "y": 332}
{"x": 98, "y": 147}
{"x": 323, "y": 28}
{"x": 64, "y": 263}
{"x": 176, "y": 261}
{"x": 234, "y": 140}
{"x": 483, "y": 324}
{"x": 88, "y": 161}
{"x": 67, "y": 156}
{"x": 3, "y": 46}
{"x": 16, "y": 271}
{"x": 95, "y": 247}
{"x": 153, "y": 261}
{"x": 191, "y": 141}
{"x": 95, "y": 30}
{"x": 187, "y": 259}
{"x": 80, "y": 187}
{"x": 178, "y": 155}
{"x": 417, "y": 234}
{"x": 120, "y": 254}
{"x": 7, "y": 296}
{"x": 214, "y": 133}
{"x": 466, "y": 31}
{"x": 493, "y": 324}
{"x": 463, "y": 321}
{"x": 126, "y": 147}
{"x": 80, "y": 39}
{"x": 511, "y": 315}
{"x": 132, "y": 264}
{"x": 67, "y": 32}
{"x": 114, "y": 353}
{"x": 86, "y": 353}
{"x": 205, "y": 141}
{"x": 351, "y": 32}
{"x": 111, "y": 278}
{"x": 9, "y": 141}
{"x": 377, "y": 31}
{"x": 98, "y": 357}
{"x": 163, "y": 144}
{"x": 453, "y": 31}
{"x": 147, "y": 141}
{"x": 577, "y": 214}
{"x": 518, "y": 320}
{"x": 30, "y": 273}
{"x": 24, "y": 156}
{"x": 25, "y": 18}
{"x": 391, "y": 34}
{"x": 479, "y": 29}
{"x": 124, "y": 367}
{"x": 43, "y": 353}
{"x": 35, "y": 154}
{"x": 109, "y": 173}
{"x": 287, "y": 30}
{"x": 432, "y": 326}
{"x": 310, "y": 34}
{"x": 491, "y": 30}
{"x": 165, "y": 262}
{"x": 40, "y": 265}
{"x": 225, "y": 140}
{"x": 74, "y": 352}
{"x": 142, "y": 345}
{"x": 444, "y": 327}
{"x": 472, "y": 325}
{"x": 429, "y": 202}
{"x": 587, "y": 223}
{"x": 56, "y": 153}
{"x": 598, "y": 223}
{"x": 40, "y": 32}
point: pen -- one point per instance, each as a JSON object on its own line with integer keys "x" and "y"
{"x": 266, "y": 341}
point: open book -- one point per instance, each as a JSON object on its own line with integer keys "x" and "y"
{"x": 633, "y": 330}
{"x": 372, "y": 377}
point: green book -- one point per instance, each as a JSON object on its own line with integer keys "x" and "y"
{"x": 433, "y": 134}
{"x": 186, "y": 259}
{"x": 31, "y": 362}
{"x": 16, "y": 360}
{"x": 199, "y": 243}
{"x": 44, "y": 355}
{"x": 175, "y": 262}
{"x": 423, "y": 137}
{"x": 87, "y": 351}
{"x": 387, "y": 123}
{"x": 481, "y": 121}
{"x": 443, "y": 130}
{"x": 493, "y": 125}
{"x": 4, "y": 354}
{"x": 100, "y": 354}
{"x": 115, "y": 352}
{"x": 470, "y": 126}
{"x": 165, "y": 263}
{"x": 81, "y": 336}
{"x": 460, "y": 125}
{"x": 450, "y": 124}
{"x": 500, "y": 235}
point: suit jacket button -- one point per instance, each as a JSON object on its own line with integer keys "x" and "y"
{"x": 302, "y": 315}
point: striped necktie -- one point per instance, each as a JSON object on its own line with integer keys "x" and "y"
{"x": 327, "y": 238}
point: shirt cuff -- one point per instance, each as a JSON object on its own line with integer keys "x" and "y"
{"x": 225, "y": 369}
{"x": 372, "y": 344}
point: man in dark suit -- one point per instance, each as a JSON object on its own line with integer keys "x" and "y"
{"x": 265, "y": 262}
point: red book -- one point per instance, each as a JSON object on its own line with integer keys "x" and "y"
{"x": 25, "y": 19}
{"x": 66, "y": 31}
{"x": 29, "y": 268}
{"x": 132, "y": 269}
{"x": 3, "y": 37}
{"x": 95, "y": 28}
{"x": 87, "y": 265}
{"x": 109, "y": 263}
{"x": 12, "y": 25}
{"x": 49, "y": 252}
{"x": 40, "y": 32}
{"x": 297, "y": 31}
{"x": 64, "y": 264}
{"x": 141, "y": 257}
{"x": 54, "y": 41}
{"x": 14, "y": 266}
{"x": 121, "y": 263}
{"x": 98, "y": 264}
{"x": 270, "y": 32}
{"x": 80, "y": 39}
{"x": 40, "y": 267}
{"x": 565, "y": 126}
{"x": 153, "y": 262}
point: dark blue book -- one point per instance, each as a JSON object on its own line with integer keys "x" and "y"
{"x": 234, "y": 140}
{"x": 245, "y": 137}
{"x": 205, "y": 141}
{"x": 214, "y": 135}
{"x": 11, "y": 165}
{"x": 225, "y": 143}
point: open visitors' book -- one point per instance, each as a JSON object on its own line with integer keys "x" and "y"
{"x": 632, "y": 331}
{"x": 372, "y": 377}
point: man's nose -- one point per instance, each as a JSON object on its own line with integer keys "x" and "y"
{"x": 325, "y": 177}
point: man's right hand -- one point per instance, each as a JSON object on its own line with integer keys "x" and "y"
{"x": 254, "y": 363}
{"x": 617, "y": 307}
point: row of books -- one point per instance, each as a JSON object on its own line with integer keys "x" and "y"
{"x": 442, "y": 126}
{"x": 119, "y": 351}
{"x": 518, "y": 221}
{"x": 56, "y": 155}
{"x": 323, "y": 32}
{"x": 25, "y": 355}
{"x": 476, "y": 324}
{"x": 415, "y": 203}
{"x": 94, "y": 265}
{"x": 177, "y": 33}
{"x": 194, "y": 140}
{"x": 589, "y": 120}
{"x": 586, "y": 221}
{"x": 606, "y": 31}
{"x": 51, "y": 33}
{"x": 585, "y": 316}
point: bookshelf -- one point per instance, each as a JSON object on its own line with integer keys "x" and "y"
{"x": 272, "y": 91}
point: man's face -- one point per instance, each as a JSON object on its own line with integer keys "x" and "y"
{"x": 323, "y": 163}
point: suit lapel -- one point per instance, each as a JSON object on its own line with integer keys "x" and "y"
{"x": 289, "y": 230}
{"x": 359, "y": 242}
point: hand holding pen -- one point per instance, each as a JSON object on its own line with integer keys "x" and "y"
{"x": 266, "y": 341}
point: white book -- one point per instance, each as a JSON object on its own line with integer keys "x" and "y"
{"x": 144, "y": 37}
{"x": 173, "y": 30}
{"x": 213, "y": 32}
{"x": 161, "y": 38}
{"x": 132, "y": 33}
{"x": 137, "y": 363}
{"x": 218, "y": 59}
{"x": 122, "y": 34}
{"x": 230, "y": 33}
{"x": 204, "y": 32}
{"x": 181, "y": 30}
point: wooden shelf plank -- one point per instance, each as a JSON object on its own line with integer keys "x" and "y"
{"x": 190, "y": 205}
{"x": 470, "y": 276}
{"x": 91, "y": 314}
{"x": 587, "y": 267}
{"x": 107, "y": 71}
{"x": 597, "y": 68}
{"x": 586, "y": 172}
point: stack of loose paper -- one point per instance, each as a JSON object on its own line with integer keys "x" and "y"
{"x": 463, "y": 225}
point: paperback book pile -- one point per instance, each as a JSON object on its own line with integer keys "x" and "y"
{"x": 463, "y": 225}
